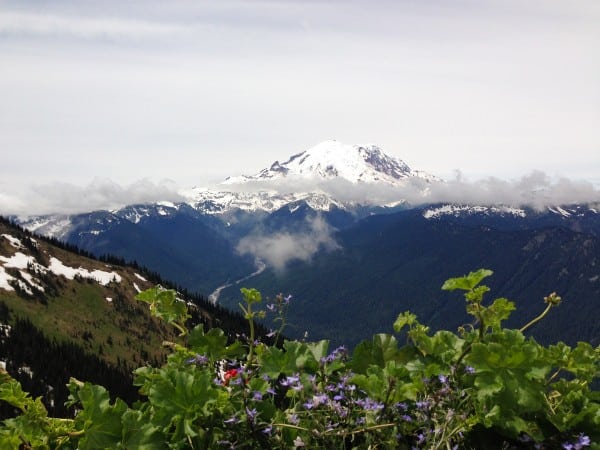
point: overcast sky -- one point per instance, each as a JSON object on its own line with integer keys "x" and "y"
{"x": 193, "y": 91}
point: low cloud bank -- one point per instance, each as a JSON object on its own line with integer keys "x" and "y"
{"x": 65, "y": 198}
{"x": 278, "y": 249}
{"x": 536, "y": 190}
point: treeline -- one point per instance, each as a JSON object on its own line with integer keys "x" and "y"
{"x": 43, "y": 366}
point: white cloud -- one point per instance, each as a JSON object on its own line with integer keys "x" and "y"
{"x": 36, "y": 24}
{"x": 536, "y": 189}
{"x": 58, "y": 198}
{"x": 278, "y": 249}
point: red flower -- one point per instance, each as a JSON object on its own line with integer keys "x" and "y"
{"x": 229, "y": 374}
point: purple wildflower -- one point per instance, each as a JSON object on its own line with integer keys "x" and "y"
{"x": 422, "y": 405}
{"x": 339, "y": 352}
{"x": 198, "y": 359}
{"x": 231, "y": 421}
{"x": 583, "y": 441}
{"x": 342, "y": 412}
{"x": 251, "y": 414}
{"x": 290, "y": 380}
{"x": 369, "y": 404}
{"x": 319, "y": 399}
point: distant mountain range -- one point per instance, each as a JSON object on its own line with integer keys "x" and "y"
{"x": 388, "y": 264}
{"x": 333, "y": 226}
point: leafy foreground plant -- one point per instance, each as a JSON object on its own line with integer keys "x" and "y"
{"x": 483, "y": 387}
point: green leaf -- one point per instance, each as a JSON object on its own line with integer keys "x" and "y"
{"x": 467, "y": 282}
{"x": 273, "y": 361}
{"x": 318, "y": 349}
{"x": 301, "y": 356}
{"x": 139, "y": 433}
{"x": 498, "y": 311}
{"x": 385, "y": 348}
{"x": 181, "y": 396}
{"x": 12, "y": 393}
{"x": 445, "y": 345}
{"x": 381, "y": 349}
{"x": 213, "y": 343}
{"x": 362, "y": 357}
{"x": 373, "y": 382}
{"x": 251, "y": 295}
{"x": 100, "y": 421}
{"x": 165, "y": 305}
{"x": 476, "y": 294}
{"x": 404, "y": 319}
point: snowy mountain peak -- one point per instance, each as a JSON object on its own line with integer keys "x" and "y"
{"x": 333, "y": 159}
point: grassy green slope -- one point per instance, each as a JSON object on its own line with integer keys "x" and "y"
{"x": 77, "y": 311}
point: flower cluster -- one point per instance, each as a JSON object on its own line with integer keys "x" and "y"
{"x": 581, "y": 442}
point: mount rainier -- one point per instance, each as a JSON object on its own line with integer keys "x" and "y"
{"x": 316, "y": 176}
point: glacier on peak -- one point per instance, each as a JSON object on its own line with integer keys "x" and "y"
{"x": 327, "y": 175}
{"x": 335, "y": 160}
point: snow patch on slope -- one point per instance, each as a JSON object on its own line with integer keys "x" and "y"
{"x": 27, "y": 264}
{"x": 57, "y": 267}
{"x": 16, "y": 243}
